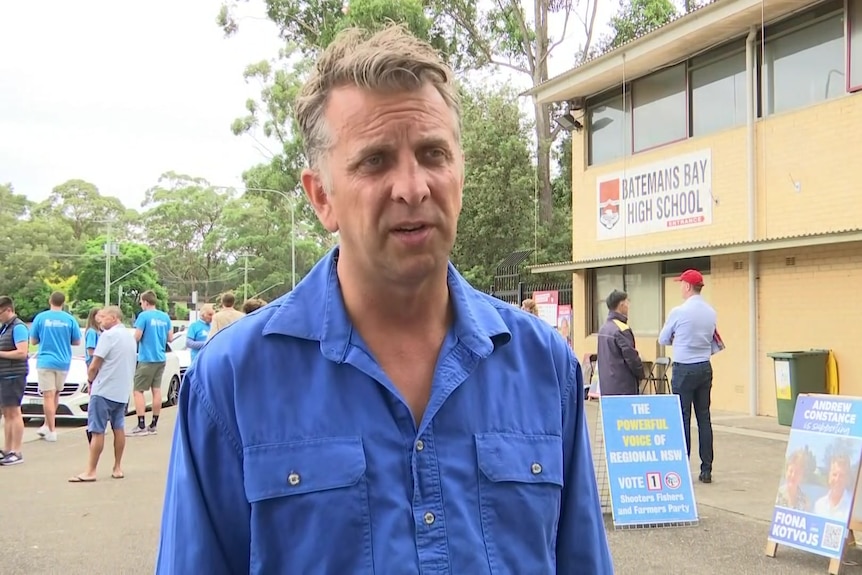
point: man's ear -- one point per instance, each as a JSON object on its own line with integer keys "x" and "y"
{"x": 312, "y": 183}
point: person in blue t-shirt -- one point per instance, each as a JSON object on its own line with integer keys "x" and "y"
{"x": 196, "y": 337}
{"x": 14, "y": 349}
{"x": 91, "y": 340}
{"x": 91, "y": 334}
{"x": 153, "y": 332}
{"x": 55, "y": 332}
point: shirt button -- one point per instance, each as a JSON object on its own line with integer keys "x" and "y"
{"x": 293, "y": 479}
{"x": 429, "y": 518}
{"x": 420, "y": 445}
{"x": 536, "y": 468}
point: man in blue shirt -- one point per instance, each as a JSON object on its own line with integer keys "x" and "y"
{"x": 384, "y": 416}
{"x": 690, "y": 328}
{"x": 196, "y": 337}
{"x": 55, "y": 332}
{"x": 153, "y": 333}
{"x": 14, "y": 349}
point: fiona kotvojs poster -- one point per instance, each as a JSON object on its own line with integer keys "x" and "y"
{"x": 821, "y": 469}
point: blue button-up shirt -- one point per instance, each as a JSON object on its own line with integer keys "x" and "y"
{"x": 294, "y": 453}
{"x": 690, "y": 328}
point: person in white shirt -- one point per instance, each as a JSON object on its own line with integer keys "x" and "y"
{"x": 112, "y": 372}
{"x": 836, "y": 503}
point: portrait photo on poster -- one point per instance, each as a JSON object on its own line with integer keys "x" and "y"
{"x": 816, "y": 489}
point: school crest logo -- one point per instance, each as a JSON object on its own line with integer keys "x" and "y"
{"x": 609, "y": 203}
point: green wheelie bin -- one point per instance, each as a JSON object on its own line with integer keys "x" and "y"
{"x": 797, "y": 372}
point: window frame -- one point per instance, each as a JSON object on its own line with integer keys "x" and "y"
{"x": 731, "y": 49}
{"x": 593, "y": 301}
{"x": 600, "y": 100}
{"x": 687, "y": 109}
{"x": 788, "y": 27}
{"x": 851, "y": 8}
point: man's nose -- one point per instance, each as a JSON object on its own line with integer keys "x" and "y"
{"x": 410, "y": 183}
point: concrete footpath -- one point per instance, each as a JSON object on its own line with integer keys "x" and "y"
{"x": 49, "y": 526}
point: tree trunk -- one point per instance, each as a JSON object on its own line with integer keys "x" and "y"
{"x": 543, "y": 163}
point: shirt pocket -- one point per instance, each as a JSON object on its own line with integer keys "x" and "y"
{"x": 520, "y": 489}
{"x": 309, "y": 507}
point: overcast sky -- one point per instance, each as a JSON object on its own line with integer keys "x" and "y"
{"x": 97, "y": 90}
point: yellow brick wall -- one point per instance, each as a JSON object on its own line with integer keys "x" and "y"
{"x": 811, "y": 304}
{"x": 814, "y": 146}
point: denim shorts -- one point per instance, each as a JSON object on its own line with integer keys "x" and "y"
{"x": 12, "y": 391}
{"x": 101, "y": 411}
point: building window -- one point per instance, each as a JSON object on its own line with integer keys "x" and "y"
{"x": 718, "y": 92}
{"x": 854, "y": 35}
{"x": 804, "y": 66}
{"x": 660, "y": 108}
{"x": 642, "y": 282}
{"x": 609, "y": 129}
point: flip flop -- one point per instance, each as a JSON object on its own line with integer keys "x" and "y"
{"x": 79, "y": 479}
{"x": 120, "y": 476}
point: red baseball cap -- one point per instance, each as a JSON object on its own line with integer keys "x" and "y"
{"x": 693, "y": 277}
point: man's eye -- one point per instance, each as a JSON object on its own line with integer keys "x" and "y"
{"x": 373, "y": 161}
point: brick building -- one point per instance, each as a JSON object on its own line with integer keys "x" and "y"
{"x": 729, "y": 140}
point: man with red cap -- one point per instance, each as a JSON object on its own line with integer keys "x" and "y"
{"x": 690, "y": 328}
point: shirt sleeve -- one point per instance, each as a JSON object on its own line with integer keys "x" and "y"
{"x": 19, "y": 333}
{"x": 206, "y": 516}
{"x": 582, "y": 545}
{"x": 35, "y": 329}
{"x": 215, "y": 325}
{"x": 140, "y": 322}
{"x": 666, "y": 335}
{"x": 76, "y": 331}
{"x": 91, "y": 338}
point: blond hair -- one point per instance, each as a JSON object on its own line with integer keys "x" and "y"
{"x": 392, "y": 59}
{"x": 529, "y": 305}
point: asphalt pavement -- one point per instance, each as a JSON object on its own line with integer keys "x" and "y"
{"x": 110, "y": 527}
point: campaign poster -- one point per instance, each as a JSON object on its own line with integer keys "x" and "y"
{"x": 564, "y": 322}
{"x": 821, "y": 469}
{"x": 546, "y": 302}
{"x": 648, "y": 469}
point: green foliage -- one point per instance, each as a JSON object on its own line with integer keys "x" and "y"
{"x": 497, "y": 214}
{"x": 637, "y": 17}
{"x": 133, "y": 269}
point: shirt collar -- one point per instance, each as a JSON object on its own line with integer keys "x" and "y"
{"x": 315, "y": 311}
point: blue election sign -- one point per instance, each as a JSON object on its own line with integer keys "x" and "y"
{"x": 650, "y": 480}
{"x": 821, "y": 468}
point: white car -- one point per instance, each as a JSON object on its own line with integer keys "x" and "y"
{"x": 74, "y": 398}
{"x": 183, "y": 353}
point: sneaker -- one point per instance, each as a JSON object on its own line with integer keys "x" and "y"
{"x": 152, "y": 430}
{"x": 12, "y": 459}
{"x": 43, "y": 431}
{"x": 138, "y": 432}
{"x": 50, "y": 436}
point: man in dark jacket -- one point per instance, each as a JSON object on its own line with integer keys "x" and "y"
{"x": 620, "y": 366}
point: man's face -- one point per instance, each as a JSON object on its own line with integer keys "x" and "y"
{"x": 837, "y": 477}
{"x": 100, "y": 317}
{"x": 397, "y": 175}
{"x": 623, "y": 308}
{"x": 207, "y": 315}
{"x": 6, "y": 314}
{"x": 107, "y": 320}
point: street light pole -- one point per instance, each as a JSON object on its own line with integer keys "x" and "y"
{"x": 108, "y": 252}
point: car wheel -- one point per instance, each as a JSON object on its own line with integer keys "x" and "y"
{"x": 173, "y": 397}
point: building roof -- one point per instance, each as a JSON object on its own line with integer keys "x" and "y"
{"x": 706, "y": 249}
{"x": 683, "y": 37}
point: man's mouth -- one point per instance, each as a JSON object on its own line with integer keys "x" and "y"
{"x": 410, "y": 229}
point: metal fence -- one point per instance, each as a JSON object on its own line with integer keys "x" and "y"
{"x": 509, "y": 284}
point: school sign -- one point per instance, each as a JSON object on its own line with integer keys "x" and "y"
{"x": 668, "y": 195}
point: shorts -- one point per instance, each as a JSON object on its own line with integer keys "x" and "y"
{"x": 101, "y": 411}
{"x": 148, "y": 375}
{"x": 51, "y": 379}
{"x": 12, "y": 391}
